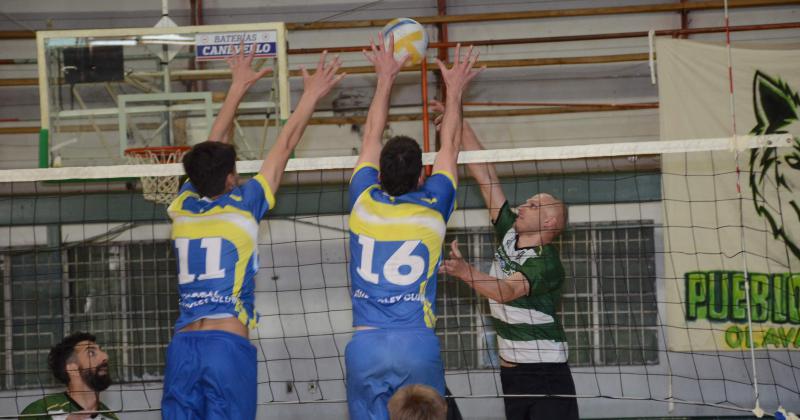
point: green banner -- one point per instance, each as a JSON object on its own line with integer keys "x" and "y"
{"x": 722, "y": 297}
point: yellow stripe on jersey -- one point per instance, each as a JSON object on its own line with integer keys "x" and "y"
{"x": 427, "y": 308}
{"x": 400, "y": 222}
{"x": 361, "y": 166}
{"x": 449, "y": 176}
{"x": 267, "y": 190}
{"x": 243, "y": 317}
{"x": 214, "y": 211}
{"x": 453, "y": 180}
{"x": 231, "y": 226}
{"x": 177, "y": 204}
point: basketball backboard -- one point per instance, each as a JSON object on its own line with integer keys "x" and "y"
{"x": 107, "y": 90}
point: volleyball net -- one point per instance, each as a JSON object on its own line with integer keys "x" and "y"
{"x": 682, "y": 291}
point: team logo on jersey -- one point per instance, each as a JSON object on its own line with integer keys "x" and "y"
{"x": 774, "y": 172}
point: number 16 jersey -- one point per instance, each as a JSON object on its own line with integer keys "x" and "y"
{"x": 395, "y": 249}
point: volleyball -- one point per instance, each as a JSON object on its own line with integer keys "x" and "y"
{"x": 410, "y": 39}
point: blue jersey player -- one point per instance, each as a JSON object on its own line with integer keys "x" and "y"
{"x": 211, "y": 365}
{"x": 397, "y": 225}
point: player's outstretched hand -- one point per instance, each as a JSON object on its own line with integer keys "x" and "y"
{"x": 241, "y": 65}
{"x": 324, "y": 78}
{"x": 457, "y": 77}
{"x": 455, "y": 265}
{"x": 382, "y": 58}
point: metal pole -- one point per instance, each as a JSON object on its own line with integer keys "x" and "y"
{"x": 426, "y": 142}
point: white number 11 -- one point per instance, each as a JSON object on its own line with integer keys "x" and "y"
{"x": 213, "y": 247}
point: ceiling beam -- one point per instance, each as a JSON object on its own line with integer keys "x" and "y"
{"x": 501, "y": 16}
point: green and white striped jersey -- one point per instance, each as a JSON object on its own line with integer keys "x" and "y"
{"x": 59, "y": 406}
{"x": 528, "y": 330}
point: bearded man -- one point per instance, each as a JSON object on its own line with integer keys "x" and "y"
{"x": 79, "y": 363}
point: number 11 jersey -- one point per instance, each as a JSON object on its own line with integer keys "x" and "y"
{"x": 216, "y": 251}
{"x": 395, "y": 249}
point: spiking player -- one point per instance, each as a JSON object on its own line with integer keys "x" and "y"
{"x": 211, "y": 365}
{"x": 397, "y": 225}
{"x": 524, "y": 291}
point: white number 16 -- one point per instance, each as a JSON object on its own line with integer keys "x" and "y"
{"x": 391, "y": 269}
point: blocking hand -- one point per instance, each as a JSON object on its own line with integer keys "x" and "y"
{"x": 457, "y": 77}
{"x": 241, "y": 66}
{"x": 324, "y": 77}
{"x": 382, "y": 58}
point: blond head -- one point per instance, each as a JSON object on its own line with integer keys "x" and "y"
{"x": 417, "y": 402}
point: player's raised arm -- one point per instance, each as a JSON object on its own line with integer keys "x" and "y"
{"x": 499, "y": 290}
{"x": 386, "y": 70}
{"x": 456, "y": 79}
{"x": 315, "y": 87}
{"x": 484, "y": 173}
{"x": 242, "y": 77}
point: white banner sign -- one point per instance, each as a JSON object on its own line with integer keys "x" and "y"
{"x": 717, "y": 244}
{"x": 219, "y": 46}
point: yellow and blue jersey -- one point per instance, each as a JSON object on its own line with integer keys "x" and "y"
{"x": 216, "y": 249}
{"x": 395, "y": 249}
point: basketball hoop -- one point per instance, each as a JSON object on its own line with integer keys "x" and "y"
{"x": 159, "y": 189}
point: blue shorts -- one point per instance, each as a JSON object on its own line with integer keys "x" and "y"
{"x": 209, "y": 375}
{"x": 381, "y": 361}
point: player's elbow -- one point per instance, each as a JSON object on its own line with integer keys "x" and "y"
{"x": 502, "y": 298}
{"x": 510, "y": 291}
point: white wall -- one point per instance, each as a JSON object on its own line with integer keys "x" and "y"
{"x": 302, "y": 293}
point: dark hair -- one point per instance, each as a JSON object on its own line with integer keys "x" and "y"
{"x": 62, "y": 352}
{"x": 401, "y": 163}
{"x": 417, "y": 402}
{"x": 208, "y": 164}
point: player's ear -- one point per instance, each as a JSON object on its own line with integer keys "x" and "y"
{"x": 230, "y": 181}
{"x": 71, "y": 367}
{"x": 421, "y": 179}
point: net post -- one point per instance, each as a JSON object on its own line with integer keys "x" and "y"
{"x": 426, "y": 141}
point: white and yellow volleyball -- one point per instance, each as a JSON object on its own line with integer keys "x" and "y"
{"x": 410, "y": 39}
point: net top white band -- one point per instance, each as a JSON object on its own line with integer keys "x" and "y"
{"x": 481, "y": 156}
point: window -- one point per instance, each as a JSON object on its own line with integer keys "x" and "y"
{"x": 125, "y": 293}
{"x": 608, "y": 306}
{"x": 462, "y": 324}
{"x": 36, "y": 314}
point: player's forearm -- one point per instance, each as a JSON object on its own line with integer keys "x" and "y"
{"x": 293, "y": 131}
{"x": 224, "y": 119}
{"x": 378, "y": 112}
{"x": 451, "y": 124}
{"x": 483, "y": 173}
{"x": 489, "y": 286}
{"x": 273, "y": 166}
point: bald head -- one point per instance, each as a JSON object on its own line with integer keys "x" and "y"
{"x": 542, "y": 215}
{"x": 553, "y": 208}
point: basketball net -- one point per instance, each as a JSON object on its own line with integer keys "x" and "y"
{"x": 158, "y": 189}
